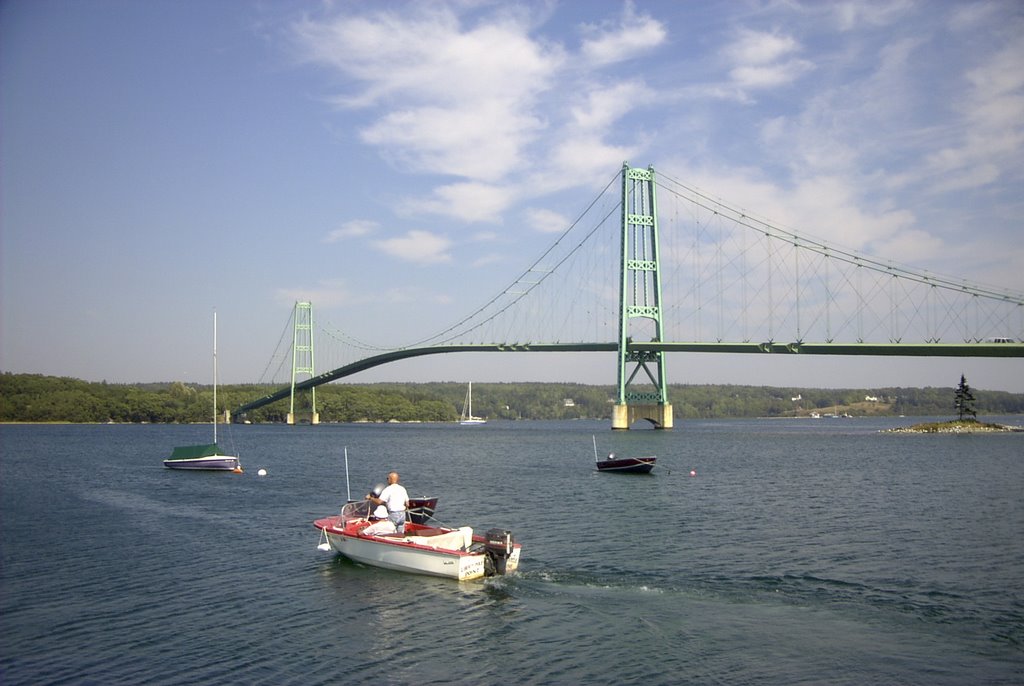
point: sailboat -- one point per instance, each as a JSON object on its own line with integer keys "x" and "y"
{"x": 467, "y": 418}
{"x": 205, "y": 456}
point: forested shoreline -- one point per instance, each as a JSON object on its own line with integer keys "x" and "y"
{"x": 37, "y": 398}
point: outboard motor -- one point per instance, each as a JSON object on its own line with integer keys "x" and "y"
{"x": 498, "y": 546}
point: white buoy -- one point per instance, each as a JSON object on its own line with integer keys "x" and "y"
{"x": 262, "y": 472}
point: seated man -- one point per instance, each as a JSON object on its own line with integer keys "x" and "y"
{"x": 379, "y": 523}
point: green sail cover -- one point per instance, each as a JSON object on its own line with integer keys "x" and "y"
{"x": 189, "y": 452}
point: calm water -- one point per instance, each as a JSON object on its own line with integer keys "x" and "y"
{"x": 803, "y": 551}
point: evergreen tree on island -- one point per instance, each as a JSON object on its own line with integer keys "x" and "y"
{"x": 964, "y": 400}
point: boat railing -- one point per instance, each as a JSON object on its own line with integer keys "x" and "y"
{"x": 357, "y": 509}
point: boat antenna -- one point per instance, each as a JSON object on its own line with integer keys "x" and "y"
{"x": 595, "y": 447}
{"x": 348, "y": 489}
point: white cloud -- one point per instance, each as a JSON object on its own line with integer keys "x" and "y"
{"x": 468, "y": 202}
{"x": 417, "y": 246}
{"x": 904, "y": 242}
{"x": 588, "y": 157}
{"x": 513, "y": 116}
{"x": 758, "y": 48}
{"x": 857, "y": 14}
{"x": 832, "y": 208}
{"x": 477, "y": 101}
{"x": 481, "y": 140}
{"x": 603, "y": 107}
{"x": 993, "y": 124}
{"x": 972, "y": 15}
{"x": 826, "y": 208}
{"x": 546, "y": 221}
{"x": 351, "y": 229}
{"x": 633, "y": 36}
{"x": 761, "y": 60}
{"x": 455, "y": 100}
{"x": 769, "y": 75}
{"x": 967, "y": 177}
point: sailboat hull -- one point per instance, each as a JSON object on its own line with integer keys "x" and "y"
{"x": 219, "y": 463}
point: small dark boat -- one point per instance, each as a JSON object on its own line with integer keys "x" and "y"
{"x": 421, "y": 509}
{"x": 623, "y": 465}
{"x": 626, "y": 465}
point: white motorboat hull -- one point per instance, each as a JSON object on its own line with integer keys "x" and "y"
{"x": 446, "y": 555}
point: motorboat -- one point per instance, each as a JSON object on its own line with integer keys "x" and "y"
{"x": 453, "y": 553}
{"x": 626, "y": 465}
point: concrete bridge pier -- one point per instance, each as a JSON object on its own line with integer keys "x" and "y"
{"x": 314, "y": 418}
{"x": 624, "y": 416}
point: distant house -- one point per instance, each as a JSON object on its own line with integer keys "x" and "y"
{"x": 871, "y": 398}
{"x": 568, "y": 402}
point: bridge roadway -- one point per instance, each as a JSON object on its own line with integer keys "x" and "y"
{"x": 798, "y": 348}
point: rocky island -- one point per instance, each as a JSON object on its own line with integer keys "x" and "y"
{"x": 955, "y": 426}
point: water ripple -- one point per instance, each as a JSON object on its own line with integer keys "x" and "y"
{"x": 839, "y": 557}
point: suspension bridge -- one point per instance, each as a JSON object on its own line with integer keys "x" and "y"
{"x": 653, "y": 266}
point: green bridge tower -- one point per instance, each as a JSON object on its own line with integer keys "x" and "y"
{"x": 302, "y": 356}
{"x": 640, "y": 309}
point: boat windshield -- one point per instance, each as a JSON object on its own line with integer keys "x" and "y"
{"x": 357, "y": 509}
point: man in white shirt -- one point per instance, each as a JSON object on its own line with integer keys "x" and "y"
{"x": 396, "y": 498}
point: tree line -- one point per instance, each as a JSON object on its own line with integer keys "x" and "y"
{"x": 38, "y": 398}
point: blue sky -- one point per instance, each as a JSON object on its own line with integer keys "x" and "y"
{"x": 397, "y": 163}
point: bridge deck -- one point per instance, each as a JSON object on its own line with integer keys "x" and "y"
{"x": 798, "y": 348}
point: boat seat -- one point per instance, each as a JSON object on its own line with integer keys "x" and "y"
{"x": 431, "y": 531}
{"x": 460, "y": 539}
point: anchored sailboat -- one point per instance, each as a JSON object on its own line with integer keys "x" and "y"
{"x": 467, "y": 418}
{"x": 205, "y": 456}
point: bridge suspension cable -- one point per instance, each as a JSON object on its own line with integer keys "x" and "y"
{"x": 805, "y": 288}
{"x": 744, "y": 218}
{"x": 455, "y": 331}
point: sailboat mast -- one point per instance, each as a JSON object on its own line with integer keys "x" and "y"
{"x": 215, "y": 376}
